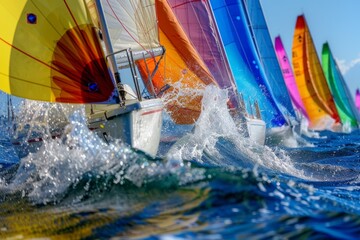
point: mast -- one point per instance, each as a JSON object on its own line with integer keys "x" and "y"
{"x": 9, "y": 109}
{"x": 110, "y": 50}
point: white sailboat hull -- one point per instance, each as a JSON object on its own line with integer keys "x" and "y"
{"x": 256, "y": 129}
{"x": 138, "y": 124}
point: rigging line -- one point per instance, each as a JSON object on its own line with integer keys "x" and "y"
{"x": 55, "y": 28}
{"x": 30, "y": 56}
{"x": 37, "y": 60}
{"x": 79, "y": 29}
{"x": 211, "y": 52}
{"x": 23, "y": 80}
{"x": 46, "y": 19}
{"x": 118, "y": 19}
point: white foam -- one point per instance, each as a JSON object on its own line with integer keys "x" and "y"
{"x": 215, "y": 122}
{"x": 46, "y": 175}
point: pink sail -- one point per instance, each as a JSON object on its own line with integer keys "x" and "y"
{"x": 289, "y": 77}
{"x": 357, "y": 99}
{"x": 198, "y": 23}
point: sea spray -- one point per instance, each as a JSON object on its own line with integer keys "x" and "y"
{"x": 215, "y": 123}
{"x": 61, "y": 164}
{"x": 42, "y": 117}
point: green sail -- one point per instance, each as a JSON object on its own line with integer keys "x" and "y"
{"x": 339, "y": 89}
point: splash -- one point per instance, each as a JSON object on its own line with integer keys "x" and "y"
{"x": 183, "y": 91}
{"x": 214, "y": 122}
{"x": 216, "y": 126}
{"x": 62, "y": 164}
{"x": 183, "y": 100}
{"x": 304, "y": 129}
{"x": 36, "y": 121}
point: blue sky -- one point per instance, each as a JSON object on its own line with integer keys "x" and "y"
{"x": 334, "y": 21}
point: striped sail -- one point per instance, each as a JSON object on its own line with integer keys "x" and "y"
{"x": 50, "y": 51}
{"x": 310, "y": 80}
{"x": 182, "y": 69}
{"x": 244, "y": 62}
{"x": 268, "y": 57}
{"x": 197, "y": 21}
{"x": 343, "y": 100}
{"x": 289, "y": 78}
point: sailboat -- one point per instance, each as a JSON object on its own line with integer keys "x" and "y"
{"x": 311, "y": 81}
{"x": 197, "y": 20}
{"x": 244, "y": 62}
{"x": 267, "y": 55}
{"x": 289, "y": 79}
{"x": 183, "y": 75}
{"x": 344, "y": 104}
{"x": 357, "y": 99}
{"x": 54, "y": 52}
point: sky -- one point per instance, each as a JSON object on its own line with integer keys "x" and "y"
{"x": 334, "y": 21}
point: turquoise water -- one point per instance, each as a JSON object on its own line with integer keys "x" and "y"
{"x": 208, "y": 182}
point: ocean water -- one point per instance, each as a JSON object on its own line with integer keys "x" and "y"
{"x": 207, "y": 182}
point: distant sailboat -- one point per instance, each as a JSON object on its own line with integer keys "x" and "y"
{"x": 183, "y": 75}
{"x": 357, "y": 99}
{"x": 52, "y": 51}
{"x": 265, "y": 48}
{"x": 244, "y": 61}
{"x": 197, "y": 21}
{"x": 289, "y": 78}
{"x": 199, "y": 24}
{"x": 311, "y": 81}
{"x": 343, "y": 100}
{"x": 244, "y": 58}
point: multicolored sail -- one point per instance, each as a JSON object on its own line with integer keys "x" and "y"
{"x": 182, "y": 69}
{"x": 244, "y": 61}
{"x": 357, "y": 99}
{"x": 197, "y": 21}
{"x": 289, "y": 77}
{"x": 265, "y": 48}
{"x": 311, "y": 81}
{"x": 50, "y": 51}
{"x": 343, "y": 100}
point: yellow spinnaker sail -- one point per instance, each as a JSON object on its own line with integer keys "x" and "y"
{"x": 50, "y": 51}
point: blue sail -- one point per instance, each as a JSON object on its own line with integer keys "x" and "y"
{"x": 244, "y": 61}
{"x": 266, "y": 52}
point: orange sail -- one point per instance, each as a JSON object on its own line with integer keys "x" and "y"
{"x": 311, "y": 81}
{"x": 182, "y": 69}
